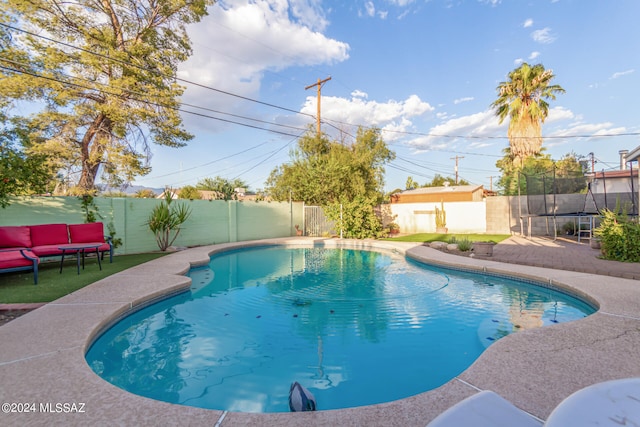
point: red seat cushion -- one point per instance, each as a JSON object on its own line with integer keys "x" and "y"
{"x": 104, "y": 248}
{"x": 47, "y": 250}
{"x": 15, "y": 237}
{"x": 92, "y": 232}
{"x": 13, "y": 259}
{"x": 49, "y": 234}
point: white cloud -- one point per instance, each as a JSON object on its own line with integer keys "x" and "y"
{"x": 518, "y": 61}
{"x": 359, "y": 94}
{"x": 401, "y": 3}
{"x": 543, "y": 36}
{"x": 390, "y": 115}
{"x": 558, "y": 114}
{"x": 527, "y": 23}
{"x": 239, "y": 41}
{"x": 461, "y": 100}
{"x": 370, "y": 11}
{"x": 309, "y": 13}
{"x": 370, "y": 8}
{"x": 590, "y": 129}
{"x": 471, "y": 129}
{"x": 534, "y": 55}
{"x": 474, "y": 125}
{"x": 491, "y": 2}
{"x": 622, "y": 73}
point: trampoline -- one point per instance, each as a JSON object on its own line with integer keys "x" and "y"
{"x": 575, "y": 197}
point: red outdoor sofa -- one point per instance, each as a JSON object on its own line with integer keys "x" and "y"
{"x": 21, "y": 247}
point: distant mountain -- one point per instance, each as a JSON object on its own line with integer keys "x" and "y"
{"x": 133, "y": 189}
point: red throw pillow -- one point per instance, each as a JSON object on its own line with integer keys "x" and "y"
{"x": 49, "y": 234}
{"x": 87, "y": 233}
{"x": 15, "y": 237}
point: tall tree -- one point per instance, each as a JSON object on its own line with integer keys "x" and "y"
{"x": 21, "y": 173}
{"x": 323, "y": 171}
{"x": 411, "y": 184}
{"x": 225, "y": 188}
{"x": 439, "y": 181}
{"x": 524, "y": 99}
{"x": 346, "y": 179}
{"x": 189, "y": 192}
{"x": 103, "y": 73}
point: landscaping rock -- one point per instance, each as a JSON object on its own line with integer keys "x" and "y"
{"x": 438, "y": 245}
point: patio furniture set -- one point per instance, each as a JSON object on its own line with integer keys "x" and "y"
{"x": 21, "y": 247}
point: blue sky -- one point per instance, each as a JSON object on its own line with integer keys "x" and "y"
{"x": 425, "y": 72}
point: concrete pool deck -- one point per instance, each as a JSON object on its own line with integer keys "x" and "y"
{"x": 42, "y": 365}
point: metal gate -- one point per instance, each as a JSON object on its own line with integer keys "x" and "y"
{"x": 316, "y": 224}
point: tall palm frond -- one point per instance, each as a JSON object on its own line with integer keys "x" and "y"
{"x": 523, "y": 98}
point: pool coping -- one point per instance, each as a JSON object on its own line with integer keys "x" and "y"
{"x": 43, "y": 370}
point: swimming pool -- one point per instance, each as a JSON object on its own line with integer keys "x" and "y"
{"x": 355, "y": 327}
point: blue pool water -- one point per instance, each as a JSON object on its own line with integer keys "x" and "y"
{"x": 354, "y": 327}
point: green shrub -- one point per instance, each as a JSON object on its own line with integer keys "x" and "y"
{"x": 619, "y": 236}
{"x": 464, "y": 245}
{"x": 189, "y": 192}
{"x": 568, "y": 228}
{"x": 165, "y": 220}
{"x": 356, "y": 218}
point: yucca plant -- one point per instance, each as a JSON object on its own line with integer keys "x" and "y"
{"x": 165, "y": 220}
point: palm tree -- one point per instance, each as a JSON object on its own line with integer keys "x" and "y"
{"x": 523, "y": 99}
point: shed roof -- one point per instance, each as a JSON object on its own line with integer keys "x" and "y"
{"x": 625, "y": 173}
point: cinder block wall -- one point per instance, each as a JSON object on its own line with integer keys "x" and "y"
{"x": 502, "y": 214}
{"x": 210, "y": 222}
{"x": 218, "y": 221}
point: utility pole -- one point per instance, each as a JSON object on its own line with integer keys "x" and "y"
{"x": 319, "y": 84}
{"x": 456, "y": 169}
{"x": 490, "y": 183}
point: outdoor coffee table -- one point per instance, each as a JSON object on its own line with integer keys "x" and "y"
{"x": 80, "y": 249}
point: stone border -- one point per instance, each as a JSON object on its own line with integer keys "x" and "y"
{"x": 43, "y": 370}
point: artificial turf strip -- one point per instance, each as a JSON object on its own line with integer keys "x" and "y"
{"x": 18, "y": 287}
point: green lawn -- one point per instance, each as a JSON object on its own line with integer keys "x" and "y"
{"x": 18, "y": 287}
{"x": 433, "y": 237}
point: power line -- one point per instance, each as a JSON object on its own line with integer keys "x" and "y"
{"x": 490, "y": 137}
{"x": 267, "y": 158}
{"x": 427, "y": 134}
{"x": 58, "y": 80}
{"x": 211, "y": 162}
{"x": 328, "y": 122}
{"x": 154, "y": 71}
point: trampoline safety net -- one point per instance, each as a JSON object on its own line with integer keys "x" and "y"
{"x": 543, "y": 190}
